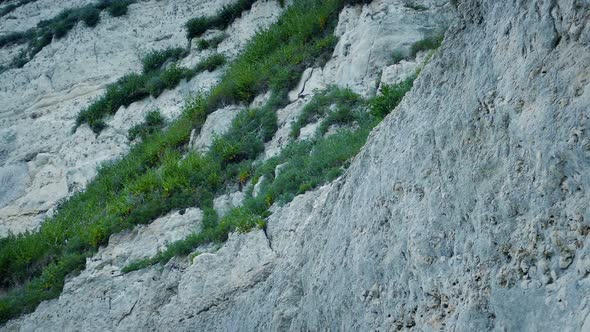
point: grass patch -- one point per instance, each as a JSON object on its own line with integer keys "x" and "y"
{"x": 154, "y": 121}
{"x": 134, "y": 87}
{"x": 224, "y": 17}
{"x": 9, "y": 8}
{"x": 319, "y": 107}
{"x": 59, "y": 26}
{"x": 428, "y": 43}
{"x": 204, "y": 44}
{"x": 389, "y": 97}
{"x": 158, "y": 176}
{"x": 154, "y": 60}
{"x": 416, "y": 6}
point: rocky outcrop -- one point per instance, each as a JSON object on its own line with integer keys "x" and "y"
{"x": 466, "y": 210}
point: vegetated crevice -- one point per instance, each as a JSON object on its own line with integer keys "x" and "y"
{"x": 58, "y": 27}
{"x": 160, "y": 174}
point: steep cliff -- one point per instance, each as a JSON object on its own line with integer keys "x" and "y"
{"x": 467, "y": 208}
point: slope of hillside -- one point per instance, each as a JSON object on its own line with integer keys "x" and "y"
{"x": 466, "y": 209}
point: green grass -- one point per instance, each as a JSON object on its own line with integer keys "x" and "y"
{"x": 134, "y": 87}
{"x": 154, "y": 60}
{"x": 154, "y": 121}
{"x": 319, "y": 107}
{"x": 224, "y": 17}
{"x": 59, "y": 26}
{"x": 389, "y": 97}
{"x": 213, "y": 42}
{"x": 9, "y": 8}
{"x": 428, "y": 43}
{"x": 159, "y": 175}
{"x": 416, "y": 6}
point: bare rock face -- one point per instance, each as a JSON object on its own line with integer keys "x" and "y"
{"x": 466, "y": 210}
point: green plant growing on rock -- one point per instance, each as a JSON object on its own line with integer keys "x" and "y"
{"x": 428, "y": 43}
{"x": 154, "y": 121}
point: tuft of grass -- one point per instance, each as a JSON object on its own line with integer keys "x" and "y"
{"x": 154, "y": 60}
{"x": 343, "y": 99}
{"x": 390, "y": 96}
{"x": 224, "y": 17}
{"x": 416, "y": 6}
{"x": 134, "y": 87}
{"x": 397, "y": 57}
{"x": 154, "y": 121}
{"x": 204, "y": 44}
{"x": 211, "y": 63}
{"x": 59, "y": 26}
{"x": 428, "y": 43}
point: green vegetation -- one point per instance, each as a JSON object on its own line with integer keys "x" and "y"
{"x": 197, "y": 26}
{"x": 57, "y": 27}
{"x": 154, "y": 121}
{"x": 9, "y": 8}
{"x": 155, "y": 59}
{"x": 204, "y": 44}
{"x": 428, "y": 43}
{"x": 343, "y": 99}
{"x": 416, "y": 6}
{"x": 389, "y": 97}
{"x": 134, "y": 87}
{"x": 158, "y": 175}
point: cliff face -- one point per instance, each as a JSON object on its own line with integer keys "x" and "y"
{"x": 41, "y": 160}
{"x": 466, "y": 210}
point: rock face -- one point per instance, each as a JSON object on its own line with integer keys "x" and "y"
{"x": 466, "y": 210}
